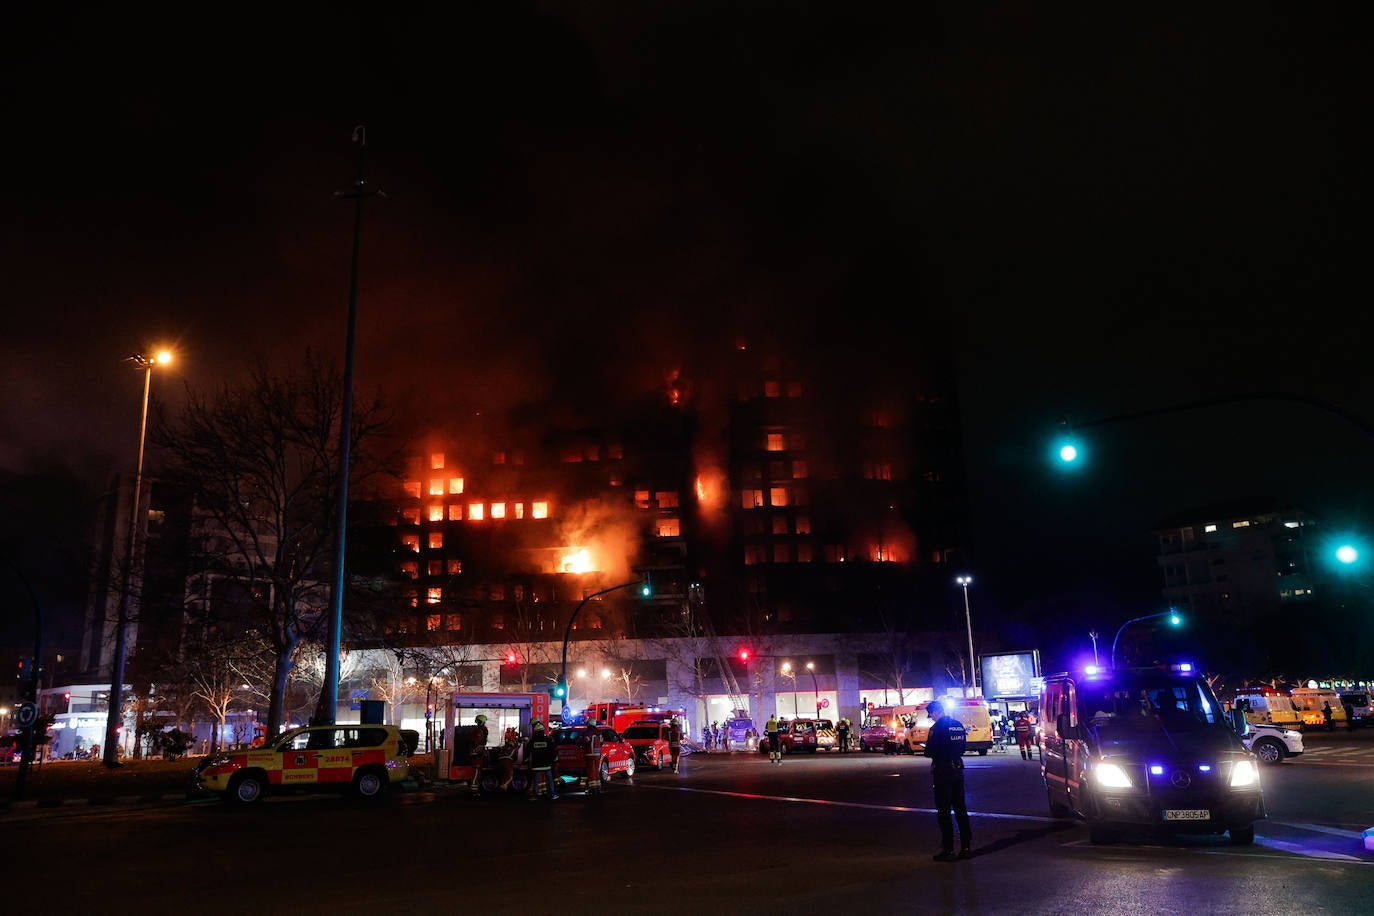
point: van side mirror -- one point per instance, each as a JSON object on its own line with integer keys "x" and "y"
{"x": 1239, "y": 722}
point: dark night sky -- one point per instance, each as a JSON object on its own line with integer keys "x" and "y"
{"x": 1089, "y": 213}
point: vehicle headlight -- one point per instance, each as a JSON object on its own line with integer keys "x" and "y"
{"x": 1244, "y": 774}
{"x": 1112, "y": 776}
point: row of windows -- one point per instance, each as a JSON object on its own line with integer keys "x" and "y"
{"x": 476, "y": 512}
{"x": 569, "y": 454}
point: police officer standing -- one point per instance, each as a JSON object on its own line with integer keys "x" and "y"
{"x": 945, "y": 747}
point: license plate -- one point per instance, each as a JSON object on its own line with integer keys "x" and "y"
{"x": 1187, "y": 814}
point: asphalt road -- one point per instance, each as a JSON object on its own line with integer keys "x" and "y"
{"x": 730, "y": 834}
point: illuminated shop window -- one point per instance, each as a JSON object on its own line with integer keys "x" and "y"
{"x": 775, "y": 442}
{"x": 455, "y": 485}
{"x": 436, "y": 487}
{"x": 455, "y": 512}
{"x": 454, "y": 567}
{"x": 498, "y": 510}
{"x": 434, "y": 595}
{"x": 432, "y": 622}
{"x": 436, "y": 461}
{"x": 667, "y": 528}
{"x": 412, "y": 488}
{"x": 410, "y": 542}
{"x": 436, "y": 513}
{"x": 476, "y": 512}
{"x": 666, "y": 499}
{"x": 436, "y": 540}
{"x": 539, "y": 509}
{"x": 411, "y": 516}
{"x": 777, "y": 496}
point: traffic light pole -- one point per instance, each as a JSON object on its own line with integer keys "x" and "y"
{"x": 567, "y": 632}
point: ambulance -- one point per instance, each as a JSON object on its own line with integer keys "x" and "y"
{"x": 1308, "y": 702}
{"x": 903, "y": 729}
{"x": 1265, "y": 705}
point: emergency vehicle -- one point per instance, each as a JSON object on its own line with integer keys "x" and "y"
{"x": 903, "y": 729}
{"x": 503, "y": 710}
{"x": 364, "y": 759}
{"x": 886, "y": 728}
{"x": 795, "y": 736}
{"x": 1267, "y": 705}
{"x": 621, "y": 716}
{"x": 649, "y": 738}
{"x": 1307, "y": 701}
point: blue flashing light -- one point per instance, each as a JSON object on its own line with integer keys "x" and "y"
{"x": 1185, "y": 667}
{"x": 1091, "y": 670}
{"x": 1204, "y": 768}
{"x": 1156, "y": 770}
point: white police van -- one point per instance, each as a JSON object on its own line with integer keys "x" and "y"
{"x": 1146, "y": 748}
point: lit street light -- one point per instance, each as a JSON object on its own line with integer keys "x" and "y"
{"x": 1174, "y": 620}
{"x": 811, "y": 666}
{"x": 964, "y": 582}
{"x": 787, "y": 673}
{"x": 115, "y": 717}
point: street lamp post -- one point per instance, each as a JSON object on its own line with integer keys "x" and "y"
{"x": 787, "y": 673}
{"x": 964, "y": 582}
{"x": 811, "y": 666}
{"x": 1171, "y": 614}
{"x": 115, "y": 718}
{"x": 1093, "y": 635}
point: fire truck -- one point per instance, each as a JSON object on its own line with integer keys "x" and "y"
{"x": 621, "y": 716}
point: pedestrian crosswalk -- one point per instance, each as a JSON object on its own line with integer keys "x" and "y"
{"x": 1338, "y": 756}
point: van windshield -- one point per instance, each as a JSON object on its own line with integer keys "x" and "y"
{"x": 1178, "y": 704}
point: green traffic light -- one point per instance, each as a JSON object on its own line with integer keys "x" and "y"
{"x": 1068, "y": 454}
{"x": 1347, "y": 554}
{"x": 1175, "y": 619}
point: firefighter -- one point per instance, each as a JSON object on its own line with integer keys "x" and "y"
{"x": 842, "y": 728}
{"x": 543, "y": 761}
{"x": 1024, "y": 732}
{"x": 774, "y": 744}
{"x": 507, "y": 758}
{"x": 675, "y": 740}
{"x": 478, "y": 752}
{"x": 945, "y": 747}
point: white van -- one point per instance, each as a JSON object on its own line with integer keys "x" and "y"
{"x": 1265, "y": 705}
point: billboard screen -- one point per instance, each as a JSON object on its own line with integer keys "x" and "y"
{"x": 1010, "y": 674}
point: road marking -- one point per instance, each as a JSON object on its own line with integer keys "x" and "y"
{"x": 1308, "y": 853}
{"x": 906, "y": 809}
{"x": 1318, "y": 828}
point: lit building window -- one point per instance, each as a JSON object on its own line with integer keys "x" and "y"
{"x": 517, "y": 592}
{"x": 498, "y": 457}
{"x": 436, "y": 567}
{"x": 666, "y": 499}
{"x": 803, "y": 524}
{"x": 410, "y": 569}
{"x": 436, "y": 540}
{"x": 777, "y": 496}
{"x": 436, "y": 513}
{"x": 798, "y": 470}
{"x": 571, "y": 455}
{"x": 803, "y": 553}
{"x": 497, "y": 621}
{"x": 453, "y": 621}
{"x": 455, "y": 567}
{"x": 410, "y": 542}
{"x": 834, "y": 553}
{"x": 432, "y": 622}
{"x": 1210, "y": 528}
{"x": 436, "y": 461}
{"x": 455, "y": 485}
{"x": 877, "y": 470}
{"x": 455, "y": 512}
{"x": 1240, "y": 524}
{"x": 771, "y": 389}
{"x": 775, "y": 442}
{"x": 751, "y": 499}
{"x": 641, "y": 499}
{"x": 476, "y": 512}
{"x": 413, "y": 598}
{"x": 434, "y": 595}
{"x": 498, "y": 510}
{"x": 539, "y": 509}
{"x": 436, "y": 487}
{"x": 753, "y": 554}
{"x": 519, "y": 510}
{"x": 411, "y": 515}
{"x": 412, "y": 488}
{"x": 496, "y": 592}
{"x": 616, "y": 479}
{"x": 667, "y": 528}
{"x": 593, "y": 453}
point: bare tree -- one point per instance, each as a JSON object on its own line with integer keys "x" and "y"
{"x": 217, "y": 672}
{"x": 261, "y": 463}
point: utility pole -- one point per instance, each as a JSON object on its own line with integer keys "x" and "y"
{"x": 327, "y": 710}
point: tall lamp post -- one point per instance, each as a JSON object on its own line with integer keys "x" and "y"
{"x": 787, "y": 673}
{"x": 964, "y": 582}
{"x": 1174, "y": 620}
{"x": 811, "y": 666}
{"x": 115, "y": 717}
